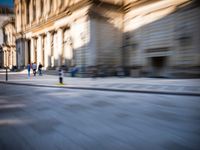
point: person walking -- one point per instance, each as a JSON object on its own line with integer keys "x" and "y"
{"x": 34, "y": 67}
{"x": 61, "y": 75}
{"x": 40, "y": 69}
{"x": 29, "y": 69}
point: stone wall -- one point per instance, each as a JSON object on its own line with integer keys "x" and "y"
{"x": 134, "y": 34}
{"x": 106, "y": 35}
{"x": 162, "y": 29}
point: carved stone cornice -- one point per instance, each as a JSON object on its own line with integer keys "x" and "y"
{"x": 102, "y": 3}
{"x": 51, "y": 19}
{"x": 137, "y": 4}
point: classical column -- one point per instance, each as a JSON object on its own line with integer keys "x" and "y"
{"x": 55, "y": 50}
{"x": 26, "y": 52}
{"x": 59, "y": 4}
{"x": 3, "y": 63}
{"x": 4, "y": 58}
{"x": 48, "y": 6}
{"x": 52, "y": 49}
{"x": 44, "y": 48}
{"x": 45, "y": 11}
{"x": 35, "y": 49}
{"x": 19, "y": 18}
{"x": 38, "y": 9}
{"x": 31, "y": 11}
{"x": 39, "y": 49}
{"x": 28, "y": 11}
{"x": 8, "y": 64}
{"x": 68, "y": 48}
{"x": 42, "y": 8}
{"x": 48, "y": 49}
{"x": 55, "y": 6}
{"x": 11, "y": 57}
{"x": 32, "y": 50}
{"x": 14, "y": 57}
{"x": 60, "y": 46}
{"x": 34, "y": 14}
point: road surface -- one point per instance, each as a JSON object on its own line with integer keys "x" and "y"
{"x": 39, "y": 118}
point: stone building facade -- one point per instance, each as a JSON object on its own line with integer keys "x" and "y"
{"x": 57, "y": 33}
{"x": 162, "y": 38}
{"x": 8, "y": 46}
{"x": 5, "y": 14}
{"x": 143, "y": 36}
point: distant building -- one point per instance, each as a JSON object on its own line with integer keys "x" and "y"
{"x": 8, "y": 46}
{"x": 5, "y": 14}
{"x": 162, "y": 37}
{"x": 145, "y": 37}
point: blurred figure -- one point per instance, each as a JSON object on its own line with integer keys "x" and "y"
{"x": 120, "y": 71}
{"x": 29, "y": 69}
{"x": 40, "y": 69}
{"x": 74, "y": 70}
{"x": 34, "y": 67}
{"x": 93, "y": 72}
{"x": 61, "y": 75}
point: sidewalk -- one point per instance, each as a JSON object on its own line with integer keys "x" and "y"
{"x": 141, "y": 85}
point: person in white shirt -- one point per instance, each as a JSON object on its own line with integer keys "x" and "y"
{"x": 34, "y": 67}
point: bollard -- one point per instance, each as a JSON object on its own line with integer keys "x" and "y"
{"x": 60, "y": 76}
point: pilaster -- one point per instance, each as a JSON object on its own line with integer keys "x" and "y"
{"x": 60, "y": 46}
{"x": 31, "y": 11}
{"x": 48, "y": 49}
{"x": 32, "y": 50}
{"x": 39, "y": 49}
{"x": 38, "y": 10}
{"x": 55, "y": 50}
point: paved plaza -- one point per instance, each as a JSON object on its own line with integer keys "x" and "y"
{"x": 38, "y": 118}
{"x": 128, "y": 84}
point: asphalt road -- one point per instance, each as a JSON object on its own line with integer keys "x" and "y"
{"x": 38, "y": 118}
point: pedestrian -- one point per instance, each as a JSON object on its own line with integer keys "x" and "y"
{"x": 40, "y": 69}
{"x": 74, "y": 70}
{"x": 34, "y": 67}
{"x": 61, "y": 74}
{"x": 29, "y": 69}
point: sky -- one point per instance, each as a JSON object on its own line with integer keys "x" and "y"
{"x": 7, "y": 2}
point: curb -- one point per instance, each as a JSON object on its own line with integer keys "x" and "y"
{"x": 105, "y": 89}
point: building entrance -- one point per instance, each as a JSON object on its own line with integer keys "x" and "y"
{"x": 158, "y": 65}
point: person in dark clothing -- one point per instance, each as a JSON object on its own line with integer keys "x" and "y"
{"x": 34, "y": 67}
{"x": 40, "y": 69}
{"x": 61, "y": 75}
{"x": 28, "y": 69}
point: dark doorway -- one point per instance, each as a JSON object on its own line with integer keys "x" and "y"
{"x": 158, "y": 65}
{"x": 158, "y": 62}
